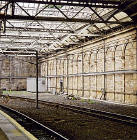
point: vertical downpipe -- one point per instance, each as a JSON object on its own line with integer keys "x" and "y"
{"x": 96, "y": 76}
{"x": 82, "y": 73}
{"x": 114, "y": 73}
{"x": 72, "y": 73}
{"x": 56, "y": 74}
{"x": 124, "y": 73}
{"x": 37, "y": 75}
{"x": 77, "y": 73}
{"x": 104, "y": 71}
{"x": 67, "y": 75}
{"x": 10, "y": 74}
{"x": 47, "y": 75}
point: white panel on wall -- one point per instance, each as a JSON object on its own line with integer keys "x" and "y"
{"x": 31, "y": 85}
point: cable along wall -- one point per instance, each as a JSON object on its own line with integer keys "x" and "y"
{"x": 105, "y": 70}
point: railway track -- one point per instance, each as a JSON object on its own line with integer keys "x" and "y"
{"x": 92, "y": 112}
{"x": 40, "y": 131}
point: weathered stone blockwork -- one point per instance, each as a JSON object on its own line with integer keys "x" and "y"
{"x": 14, "y": 71}
{"x": 104, "y": 68}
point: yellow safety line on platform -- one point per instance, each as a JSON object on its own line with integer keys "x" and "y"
{"x": 28, "y": 134}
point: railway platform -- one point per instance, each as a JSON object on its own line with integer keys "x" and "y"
{"x": 107, "y": 106}
{"x": 11, "y": 130}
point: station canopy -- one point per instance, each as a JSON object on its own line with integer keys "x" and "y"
{"x": 49, "y": 26}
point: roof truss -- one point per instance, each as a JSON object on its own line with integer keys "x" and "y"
{"x": 53, "y": 25}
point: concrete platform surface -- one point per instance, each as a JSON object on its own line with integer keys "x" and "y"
{"x": 9, "y": 131}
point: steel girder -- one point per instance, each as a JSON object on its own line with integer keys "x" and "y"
{"x": 56, "y": 19}
{"x": 38, "y": 30}
{"x": 83, "y": 3}
{"x": 27, "y": 37}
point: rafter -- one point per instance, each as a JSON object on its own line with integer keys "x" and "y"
{"x": 27, "y": 37}
{"x": 35, "y": 25}
{"x": 57, "y": 19}
{"x": 38, "y": 30}
{"x": 8, "y": 43}
{"x": 83, "y": 3}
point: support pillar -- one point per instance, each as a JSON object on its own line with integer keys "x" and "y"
{"x": 136, "y": 62}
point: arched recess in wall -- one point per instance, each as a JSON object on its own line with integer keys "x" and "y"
{"x": 69, "y": 69}
{"x": 49, "y": 81}
{"x": 110, "y": 78}
{"x": 46, "y": 65}
{"x": 54, "y": 68}
{"x": 51, "y": 67}
{"x": 65, "y": 73}
{"x": 79, "y": 78}
{"x": 59, "y": 68}
{"x": 53, "y": 78}
{"x": 42, "y": 69}
{"x": 72, "y": 78}
{"x": 100, "y": 68}
{"x": 77, "y": 70}
{"x": 63, "y": 78}
{"x": 57, "y": 65}
{"x": 86, "y": 65}
{"x": 75, "y": 67}
{"x": 93, "y": 78}
{"x": 119, "y": 66}
{"x": 130, "y": 79}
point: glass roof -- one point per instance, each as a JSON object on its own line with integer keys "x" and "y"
{"x": 47, "y": 28}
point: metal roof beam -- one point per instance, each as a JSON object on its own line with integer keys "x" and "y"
{"x": 38, "y": 30}
{"x": 20, "y": 49}
{"x": 27, "y": 37}
{"x": 83, "y": 3}
{"x": 9, "y": 42}
{"x": 57, "y": 19}
{"x": 18, "y": 53}
{"x": 19, "y": 43}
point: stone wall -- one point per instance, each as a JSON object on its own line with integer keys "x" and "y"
{"x": 105, "y": 68}
{"x": 14, "y": 71}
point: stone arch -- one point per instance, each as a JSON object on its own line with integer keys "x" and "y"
{"x": 86, "y": 62}
{"x": 119, "y": 78}
{"x": 130, "y": 55}
{"x": 79, "y": 78}
{"x": 50, "y": 67}
{"x": 110, "y": 79}
{"x": 100, "y": 60}
{"x": 110, "y": 58}
{"x": 130, "y": 64}
{"x": 100, "y": 68}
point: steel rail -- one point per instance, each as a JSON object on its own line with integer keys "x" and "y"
{"x": 27, "y": 122}
{"x": 129, "y": 120}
